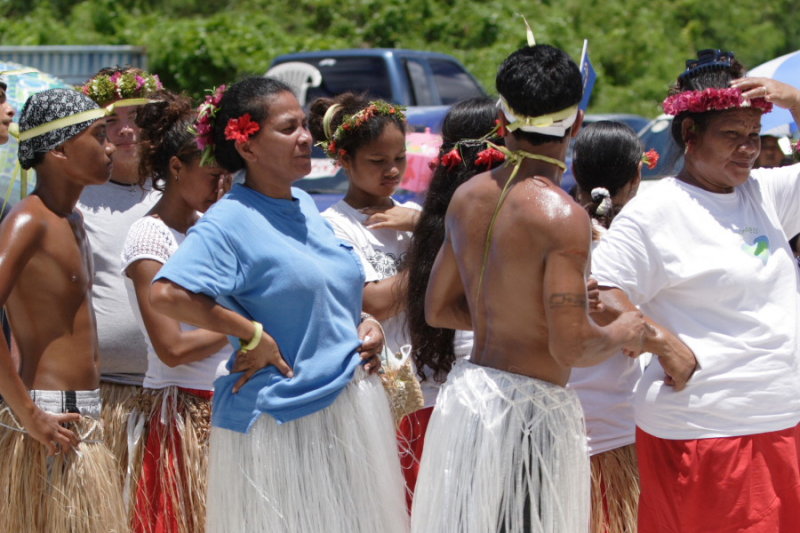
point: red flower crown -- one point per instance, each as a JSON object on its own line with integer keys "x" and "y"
{"x": 712, "y": 99}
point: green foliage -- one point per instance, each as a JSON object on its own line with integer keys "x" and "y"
{"x": 637, "y": 48}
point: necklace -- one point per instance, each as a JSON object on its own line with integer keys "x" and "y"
{"x": 122, "y": 184}
{"x": 514, "y": 157}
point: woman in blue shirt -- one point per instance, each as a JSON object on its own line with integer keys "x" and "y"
{"x": 302, "y": 437}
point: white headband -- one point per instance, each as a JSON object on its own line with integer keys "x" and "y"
{"x": 555, "y": 124}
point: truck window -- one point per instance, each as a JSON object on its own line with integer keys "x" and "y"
{"x": 420, "y": 84}
{"x": 356, "y": 74}
{"x": 453, "y": 83}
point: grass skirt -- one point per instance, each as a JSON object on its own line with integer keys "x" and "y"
{"x": 336, "y": 470}
{"x": 118, "y": 403}
{"x": 615, "y": 490}
{"x": 66, "y": 493}
{"x": 504, "y": 453}
{"x": 169, "y": 432}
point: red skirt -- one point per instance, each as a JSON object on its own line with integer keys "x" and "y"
{"x": 169, "y": 492}
{"x": 747, "y": 484}
{"x": 410, "y": 441}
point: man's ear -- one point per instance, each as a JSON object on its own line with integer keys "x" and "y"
{"x": 58, "y": 152}
{"x": 576, "y": 126}
{"x": 502, "y": 123}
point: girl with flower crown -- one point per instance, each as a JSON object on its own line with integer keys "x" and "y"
{"x": 302, "y": 434}
{"x": 705, "y": 255}
{"x": 172, "y": 414}
{"x": 368, "y": 140}
{"x": 607, "y": 164}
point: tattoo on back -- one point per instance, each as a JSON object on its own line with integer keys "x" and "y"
{"x": 565, "y": 299}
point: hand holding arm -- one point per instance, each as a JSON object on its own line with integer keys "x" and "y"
{"x": 676, "y": 358}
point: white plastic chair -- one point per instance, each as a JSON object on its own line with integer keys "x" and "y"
{"x": 297, "y": 75}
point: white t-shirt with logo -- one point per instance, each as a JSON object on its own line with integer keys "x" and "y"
{"x": 382, "y": 253}
{"x": 716, "y": 270}
{"x": 150, "y": 238}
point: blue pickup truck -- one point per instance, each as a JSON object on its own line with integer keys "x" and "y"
{"x": 428, "y": 83}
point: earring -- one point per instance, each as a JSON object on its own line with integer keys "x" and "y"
{"x": 177, "y": 177}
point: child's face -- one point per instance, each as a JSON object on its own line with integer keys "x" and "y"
{"x": 6, "y": 114}
{"x": 89, "y": 154}
{"x": 378, "y": 166}
{"x": 199, "y": 186}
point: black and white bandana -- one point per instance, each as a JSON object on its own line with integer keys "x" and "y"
{"x": 47, "y": 106}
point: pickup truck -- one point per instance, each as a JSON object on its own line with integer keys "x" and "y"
{"x": 427, "y": 83}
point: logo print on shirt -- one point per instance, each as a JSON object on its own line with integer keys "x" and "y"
{"x": 759, "y": 248}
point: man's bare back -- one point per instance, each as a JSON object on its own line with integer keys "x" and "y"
{"x": 46, "y": 264}
{"x": 530, "y": 316}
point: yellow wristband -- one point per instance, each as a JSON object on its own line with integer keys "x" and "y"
{"x": 254, "y": 340}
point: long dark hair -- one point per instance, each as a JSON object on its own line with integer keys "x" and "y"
{"x": 469, "y": 119}
{"x": 607, "y": 154}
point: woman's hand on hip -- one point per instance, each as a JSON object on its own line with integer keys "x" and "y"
{"x": 371, "y": 334}
{"x": 264, "y": 354}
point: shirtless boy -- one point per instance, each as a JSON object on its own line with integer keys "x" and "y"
{"x": 506, "y": 447}
{"x": 56, "y": 471}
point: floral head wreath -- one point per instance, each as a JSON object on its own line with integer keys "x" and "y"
{"x": 105, "y": 89}
{"x": 353, "y": 122}
{"x": 711, "y": 99}
{"x": 238, "y": 129}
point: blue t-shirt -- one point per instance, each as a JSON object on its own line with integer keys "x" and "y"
{"x": 278, "y": 262}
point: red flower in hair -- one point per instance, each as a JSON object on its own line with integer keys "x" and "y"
{"x": 433, "y": 163}
{"x": 452, "y": 159}
{"x": 240, "y": 129}
{"x": 650, "y": 158}
{"x": 489, "y": 157}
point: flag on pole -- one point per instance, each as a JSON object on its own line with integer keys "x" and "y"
{"x": 588, "y": 75}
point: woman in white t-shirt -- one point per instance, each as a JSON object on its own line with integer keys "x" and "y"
{"x": 368, "y": 139}
{"x": 171, "y": 421}
{"x": 607, "y": 164}
{"x": 705, "y": 255}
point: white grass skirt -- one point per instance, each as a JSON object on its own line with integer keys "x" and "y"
{"x": 334, "y": 471}
{"x": 503, "y": 453}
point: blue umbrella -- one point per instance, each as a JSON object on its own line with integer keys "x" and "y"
{"x": 786, "y": 69}
{"x": 22, "y": 82}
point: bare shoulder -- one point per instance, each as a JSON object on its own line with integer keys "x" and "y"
{"x": 27, "y": 220}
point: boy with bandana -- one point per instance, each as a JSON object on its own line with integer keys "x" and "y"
{"x": 56, "y": 470}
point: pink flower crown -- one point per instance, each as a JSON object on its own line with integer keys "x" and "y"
{"x": 203, "y": 127}
{"x": 712, "y": 99}
{"x": 238, "y": 129}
